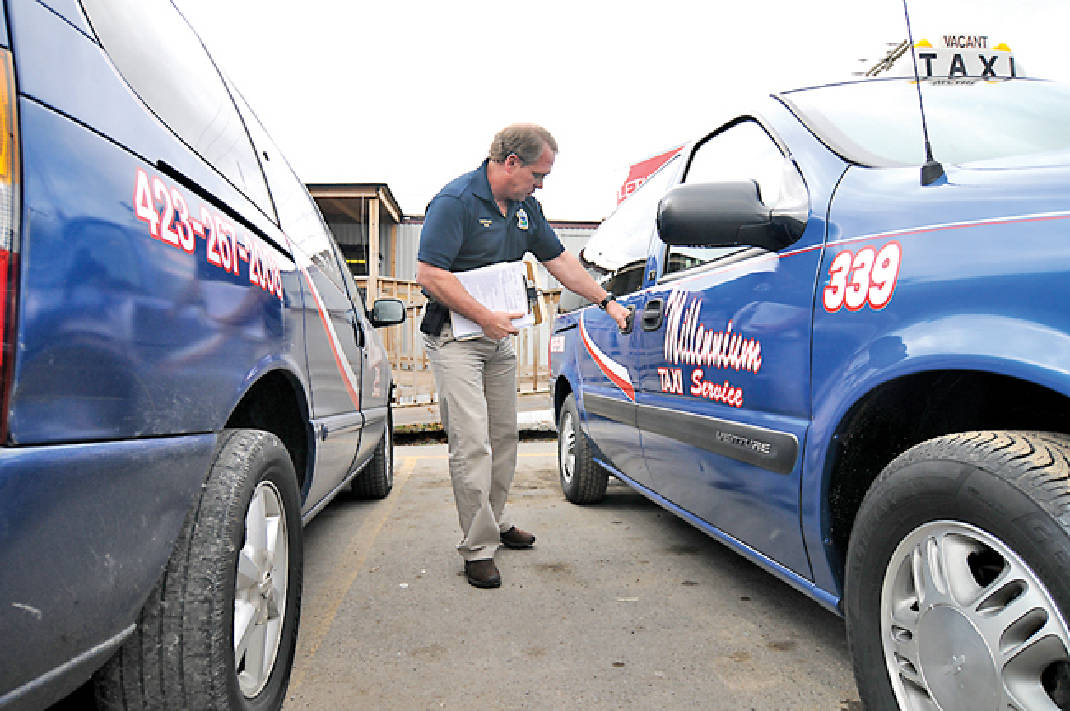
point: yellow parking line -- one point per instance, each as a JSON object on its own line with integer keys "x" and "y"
{"x": 357, "y": 551}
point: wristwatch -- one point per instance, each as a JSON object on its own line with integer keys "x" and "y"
{"x": 605, "y": 302}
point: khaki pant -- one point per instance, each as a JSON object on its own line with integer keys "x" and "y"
{"x": 476, "y": 382}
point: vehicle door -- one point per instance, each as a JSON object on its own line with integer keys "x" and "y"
{"x": 375, "y": 371}
{"x": 334, "y": 340}
{"x": 610, "y": 362}
{"x": 723, "y": 397}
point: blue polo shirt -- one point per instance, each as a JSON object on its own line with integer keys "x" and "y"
{"x": 464, "y": 229}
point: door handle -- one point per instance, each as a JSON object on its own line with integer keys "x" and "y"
{"x": 653, "y": 314}
{"x": 630, "y": 321}
{"x": 358, "y": 332}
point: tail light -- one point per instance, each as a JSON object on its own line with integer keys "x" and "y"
{"x": 9, "y": 242}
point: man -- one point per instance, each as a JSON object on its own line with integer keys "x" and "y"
{"x": 485, "y": 217}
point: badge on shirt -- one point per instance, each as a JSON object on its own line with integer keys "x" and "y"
{"x": 485, "y": 222}
{"x": 521, "y": 219}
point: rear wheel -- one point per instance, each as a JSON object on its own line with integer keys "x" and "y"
{"x": 219, "y": 631}
{"x": 958, "y": 576}
{"x": 582, "y": 480}
{"x": 377, "y": 479}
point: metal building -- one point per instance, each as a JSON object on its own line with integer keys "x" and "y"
{"x": 364, "y": 219}
{"x": 380, "y": 245}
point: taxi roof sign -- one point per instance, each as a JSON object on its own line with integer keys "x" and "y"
{"x": 963, "y": 58}
{"x": 951, "y": 58}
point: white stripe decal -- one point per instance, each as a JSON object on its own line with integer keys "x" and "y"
{"x": 904, "y": 232}
{"x": 983, "y": 222}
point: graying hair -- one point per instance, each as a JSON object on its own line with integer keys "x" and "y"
{"x": 526, "y": 140}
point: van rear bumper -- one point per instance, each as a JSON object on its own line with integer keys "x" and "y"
{"x": 85, "y": 532}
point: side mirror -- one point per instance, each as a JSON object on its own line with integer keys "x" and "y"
{"x": 726, "y": 215}
{"x": 387, "y": 312}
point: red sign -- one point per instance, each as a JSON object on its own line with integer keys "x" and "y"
{"x": 639, "y": 172}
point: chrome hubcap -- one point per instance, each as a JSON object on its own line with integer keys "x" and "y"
{"x": 388, "y": 444}
{"x": 959, "y": 668}
{"x": 566, "y": 447}
{"x": 967, "y": 625}
{"x": 260, "y": 589}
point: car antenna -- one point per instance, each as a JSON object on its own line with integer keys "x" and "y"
{"x": 932, "y": 170}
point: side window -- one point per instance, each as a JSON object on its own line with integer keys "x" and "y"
{"x": 627, "y": 279}
{"x": 162, "y": 59}
{"x": 298, "y": 215}
{"x": 356, "y": 295}
{"x": 618, "y": 248}
{"x": 743, "y": 151}
{"x": 300, "y": 219}
{"x": 570, "y": 300}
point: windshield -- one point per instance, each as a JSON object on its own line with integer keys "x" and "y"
{"x": 878, "y": 122}
{"x": 623, "y": 238}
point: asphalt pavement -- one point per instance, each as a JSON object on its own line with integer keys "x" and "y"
{"x": 534, "y": 414}
{"x": 619, "y": 605}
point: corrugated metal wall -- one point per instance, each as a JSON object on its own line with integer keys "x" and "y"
{"x": 408, "y": 244}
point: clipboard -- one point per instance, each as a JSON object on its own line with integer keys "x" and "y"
{"x": 499, "y": 287}
{"x": 532, "y": 287}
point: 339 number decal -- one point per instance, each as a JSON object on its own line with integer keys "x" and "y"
{"x": 864, "y": 277}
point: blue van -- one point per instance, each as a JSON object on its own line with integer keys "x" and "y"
{"x": 854, "y": 370}
{"x": 189, "y": 372}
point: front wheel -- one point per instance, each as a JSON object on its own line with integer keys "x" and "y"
{"x": 958, "y": 576}
{"x": 582, "y": 480}
{"x": 377, "y": 479}
{"x": 220, "y": 629}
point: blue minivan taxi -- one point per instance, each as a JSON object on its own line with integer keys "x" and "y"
{"x": 189, "y": 371}
{"x": 849, "y": 361}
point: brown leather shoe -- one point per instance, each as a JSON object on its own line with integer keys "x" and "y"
{"x": 515, "y": 538}
{"x": 482, "y": 573}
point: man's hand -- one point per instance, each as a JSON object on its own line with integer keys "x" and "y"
{"x": 499, "y": 324}
{"x": 618, "y": 313}
{"x": 568, "y": 270}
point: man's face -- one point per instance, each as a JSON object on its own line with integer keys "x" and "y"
{"x": 525, "y": 179}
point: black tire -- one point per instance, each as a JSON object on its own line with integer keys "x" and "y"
{"x": 962, "y": 546}
{"x": 377, "y": 478}
{"x": 582, "y": 480}
{"x": 182, "y": 654}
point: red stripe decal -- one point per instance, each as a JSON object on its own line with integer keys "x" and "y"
{"x": 605, "y": 364}
{"x": 336, "y": 347}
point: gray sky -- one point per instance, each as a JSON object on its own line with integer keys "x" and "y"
{"x": 410, "y": 92}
